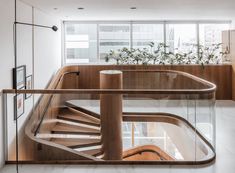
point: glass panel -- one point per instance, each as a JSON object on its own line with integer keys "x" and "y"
{"x": 181, "y": 38}
{"x": 113, "y": 37}
{"x": 143, "y": 34}
{"x": 205, "y": 116}
{"x": 163, "y": 136}
{"x": 81, "y": 43}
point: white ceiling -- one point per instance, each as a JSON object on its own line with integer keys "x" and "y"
{"x": 146, "y": 9}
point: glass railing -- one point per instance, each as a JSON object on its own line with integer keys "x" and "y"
{"x": 162, "y": 122}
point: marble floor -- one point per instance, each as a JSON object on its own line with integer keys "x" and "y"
{"x": 225, "y": 161}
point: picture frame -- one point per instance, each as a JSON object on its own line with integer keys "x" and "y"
{"x": 18, "y": 105}
{"x": 19, "y": 74}
{"x": 28, "y": 85}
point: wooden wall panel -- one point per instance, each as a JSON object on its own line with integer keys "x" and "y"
{"x": 220, "y": 75}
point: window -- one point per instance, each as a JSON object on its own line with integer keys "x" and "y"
{"x": 181, "y": 37}
{"x": 143, "y": 34}
{"x": 90, "y": 42}
{"x": 81, "y": 43}
{"x": 113, "y": 37}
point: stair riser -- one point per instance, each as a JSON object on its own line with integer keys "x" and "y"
{"x": 77, "y": 121}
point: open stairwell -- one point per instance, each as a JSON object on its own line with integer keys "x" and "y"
{"x": 79, "y": 129}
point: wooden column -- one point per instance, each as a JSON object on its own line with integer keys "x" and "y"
{"x": 111, "y": 115}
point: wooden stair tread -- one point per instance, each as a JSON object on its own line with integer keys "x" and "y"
{"x": 76, "y": 143}
{"x": 62, "y": 128}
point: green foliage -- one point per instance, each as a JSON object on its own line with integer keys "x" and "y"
{"x": 160, "y": 54}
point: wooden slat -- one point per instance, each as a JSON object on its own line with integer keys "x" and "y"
{"x": 76, "y": 143}
{"x": 62, "y": 128}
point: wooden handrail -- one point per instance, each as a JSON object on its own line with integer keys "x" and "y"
{"x": 211, "y": 87}
{"x": 147, "y": 148}
{"x": 205, "y": 82}
{"x": 111, "y": 91}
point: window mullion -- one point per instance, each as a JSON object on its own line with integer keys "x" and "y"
{"x": 131, "y": 35}
{"x": 98, "y": 42}
{"x": 198, "y": 38}
{"x": 164, "y": 36}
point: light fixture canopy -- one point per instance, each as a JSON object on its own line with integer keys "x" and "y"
{"x": 54, "y": 28}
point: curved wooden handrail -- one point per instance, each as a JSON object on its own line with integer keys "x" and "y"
{"x": 205, "y": 82}
{"x": 211, "y": 87}
{"x": 172, "y": 119}
{"x": 147, "y": 148}
{"x": 110, "y": 91}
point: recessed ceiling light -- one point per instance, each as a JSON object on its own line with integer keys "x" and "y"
{"x": 133, "y": 8}
{"x": 80, "y": 8}
{"x": 55, "y": 8}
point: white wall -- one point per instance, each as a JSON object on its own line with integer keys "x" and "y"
{"x": 47, "y": 49}
{"x": 47, "y": 56}
{"x": 6, "y": 57}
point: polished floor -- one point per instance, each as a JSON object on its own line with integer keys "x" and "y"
{"x": 225, "y": 161}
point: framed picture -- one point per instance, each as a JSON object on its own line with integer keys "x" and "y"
{"x": 18, "y": 105}
{"x": 19, "y": 74}
{"x": 28, "y": 85}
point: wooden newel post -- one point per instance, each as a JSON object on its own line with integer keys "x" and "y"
{"x": 111, "y": 115}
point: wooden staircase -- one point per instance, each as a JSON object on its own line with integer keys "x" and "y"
{"x": 77, "y": 130}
